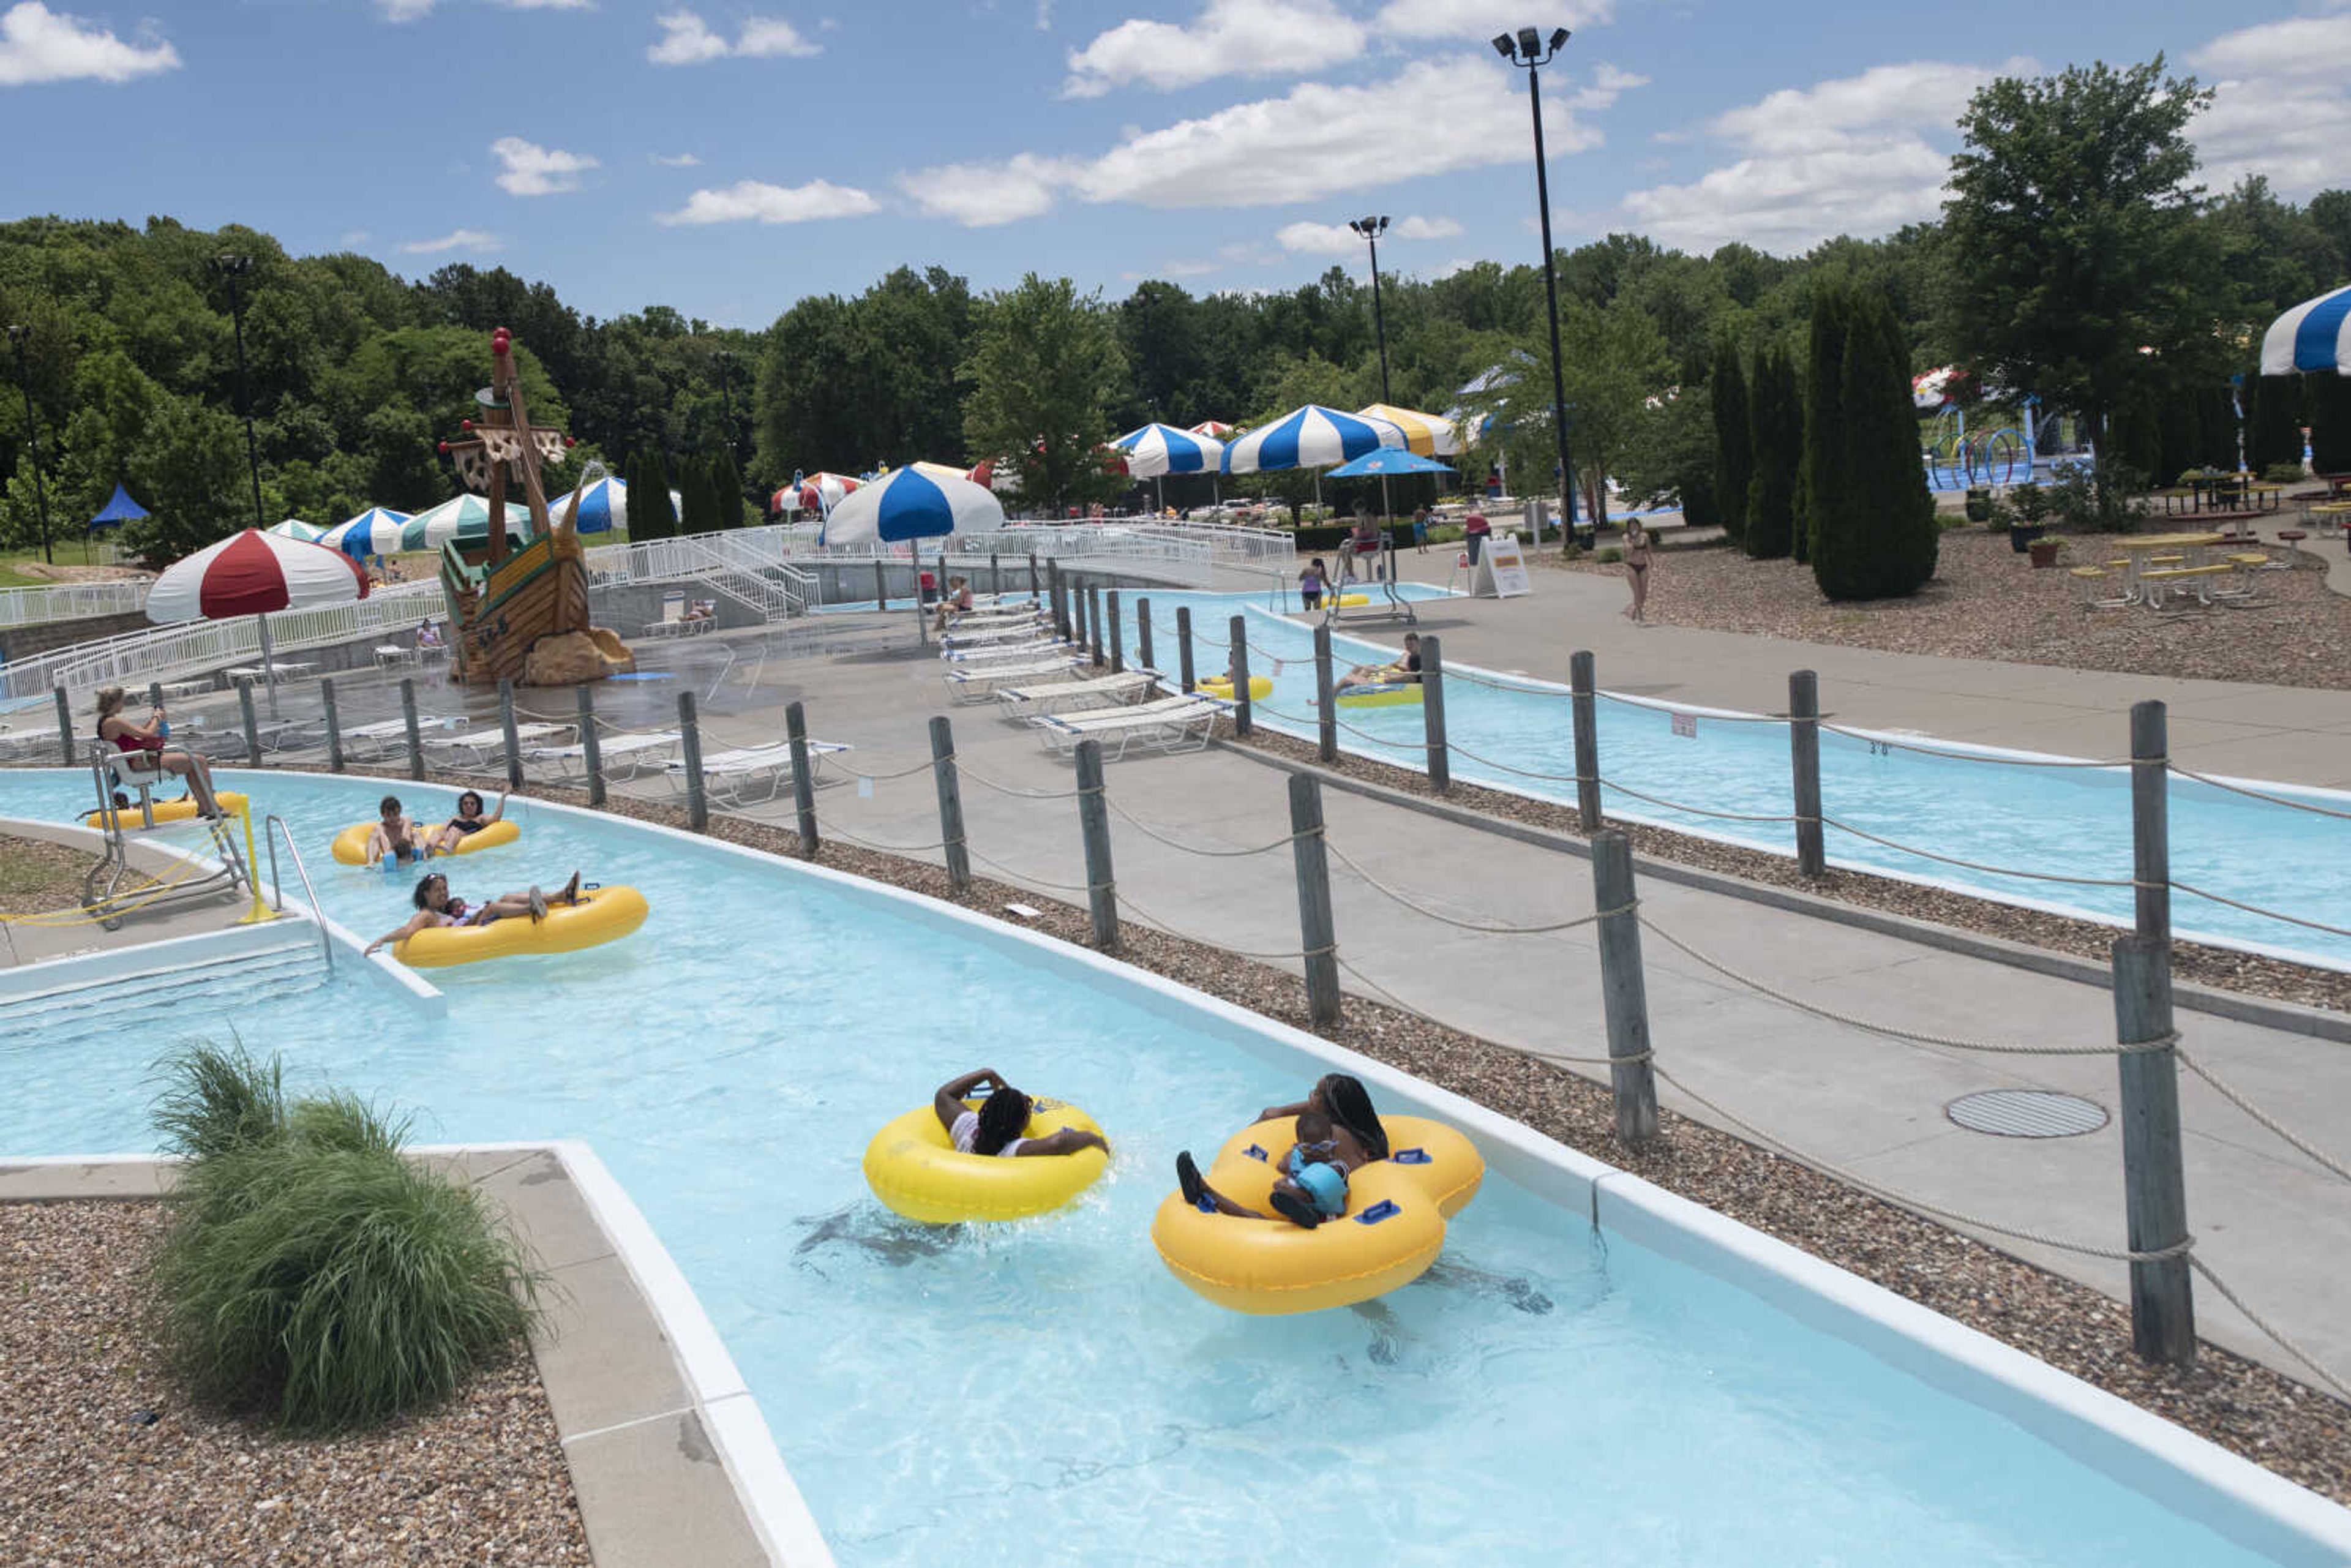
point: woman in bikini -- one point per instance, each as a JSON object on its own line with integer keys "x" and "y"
{"x": 468, "y": 821}
{"x": 1636, "y": 566}
{"x": 436, "y": 906}
{"x": 143, "y": 745}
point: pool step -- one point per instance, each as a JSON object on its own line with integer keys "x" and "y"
{"x": 213, "y": 985}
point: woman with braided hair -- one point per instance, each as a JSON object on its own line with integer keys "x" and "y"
{"x": 997, "y": 1126}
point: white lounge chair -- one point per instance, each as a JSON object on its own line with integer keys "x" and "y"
{"x": 388, "y": 654}
{"x": 731, "y": 777}
{"x": 977, "y": 682}
{"x": 1170, "y": 724}
{"x": 620, "y": 755}
{"x": 1019, "y": 631}
{"x": 1102, "y": 691}
{"x": 672, "y": 621}
{"x": 487, "y": 746}
{"x": 1037, "y": 648}
{"x": 386, "y": 737}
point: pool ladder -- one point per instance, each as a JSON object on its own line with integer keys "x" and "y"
{"x": 273, "y": 827}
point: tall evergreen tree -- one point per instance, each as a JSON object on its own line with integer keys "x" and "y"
{"x": 651, "y": 515}
{"x": 2327, "y": 398}
{"x": 699, "y": 512}
{"x": 2273, "y": 422}
{"x": 1825, "y": 453}
{"x": 1734, "y": 449}
{"x": 2217, "y": 443}
{"x": 2179, "y": 433}
{"x": 727, "y": 478}
{"x": 2135, "y": 432}
{"x": 1776, "y": 434}
{"x": 1877, "y": 534}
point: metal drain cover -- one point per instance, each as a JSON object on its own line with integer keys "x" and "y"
{"x": 2027, "y": 1113}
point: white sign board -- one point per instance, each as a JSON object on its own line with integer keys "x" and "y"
{"x": 1686, "y": 723}
{"x": 1501, "y": 570}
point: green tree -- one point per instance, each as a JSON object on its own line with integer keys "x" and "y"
{"x": 2328, "y": 400}
{"x": 1045, "y": 367}
{"x": 2134, "y": 436}
{"x": 189, "y": 471}
{"x": 1775, "y": 422}
{"x": 1827, "y": 453}
{"x": 650, "y": 515}
{"x": 1671, "y": 456}
{"x": 2274, "y": 423}
{"x": 1876, "y": 534}
{"x": 1734, "y": 451}
{"x": 2072, "y": 237}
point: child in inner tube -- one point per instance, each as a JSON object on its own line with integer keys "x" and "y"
{"x": 1312, "y": 1186}
{"x": 1406, "y": 671}
{"x": 995, "y": 1127}
{"x": 437, "y": 907}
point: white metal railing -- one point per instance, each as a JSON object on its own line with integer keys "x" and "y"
{"x": 71, "y": 601}
{"x": 747, "y": 565}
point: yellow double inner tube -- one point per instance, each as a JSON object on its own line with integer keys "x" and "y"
{"x": 602, "y": 915}
{"x": 1392, "y": 1230}
{"x": 351, "y": 844}
{"x": 916, "y": 1169}
{"x": 1260, "y": 687}
{"x": 1392, "y": 694}
{"x": 231, "y": 801}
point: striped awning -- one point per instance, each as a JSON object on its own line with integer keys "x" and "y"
{"x": 2315, "y": 335}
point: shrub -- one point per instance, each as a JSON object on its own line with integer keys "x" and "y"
{"x": 1876, "y": 531}
{"x": 1447, "y": 533}
{"x": 2081, "y": 498}
{"x": 1775, "y": 418}
{"x": 1608, "y": 556}
{"x": 2283, "y": 474}
{"x": 309, "y": 1266}
{"x": 2030, "y": 502}
{"x": 2273, "y": 424}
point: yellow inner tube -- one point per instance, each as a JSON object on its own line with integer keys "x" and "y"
{"x": 1393, "y": 693}
{"x": 1260, "y": 687}
{"x": 166, "y": 811}
{"x": 351, "y": 844}
{"x": 602, "y": 915}
{"x": 1349, "y": 601}
{"x": 1392, "y": 1230}
{"x": 916, "y": 1169}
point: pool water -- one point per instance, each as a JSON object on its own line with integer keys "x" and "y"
{"x": 2052, "y": 820}
{"x": 1046, "y": 1391}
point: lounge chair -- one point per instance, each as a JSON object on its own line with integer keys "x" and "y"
{"x": 1170, "y": 724}
{"x": 731, "y": 777}
{"x": 387, "y": 737}
{"x": 672, "y": 621}
{"x": 977, "y": 682}
{"x": 623, "y": 756}
{"x": 1038, "y": 648}
{"x": 1029, "y": 702}
{"x": 1014, "y": 630}
{"x": 486, "y": 746}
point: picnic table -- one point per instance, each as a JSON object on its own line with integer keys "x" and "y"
{"x": 2139, "y": 548}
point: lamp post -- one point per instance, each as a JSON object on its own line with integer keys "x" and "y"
{"x": 234, "y": 267}
{"x": 1371, "y": 229}
{"x": 17, "y": 335}
{"x": 1528, "y": 50}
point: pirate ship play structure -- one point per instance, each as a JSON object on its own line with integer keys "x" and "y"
{"x": 519, "y": 614}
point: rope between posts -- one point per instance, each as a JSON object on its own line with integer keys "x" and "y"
{"x": 2278, "y": 1336}
{"x": 2234, "y": 1098}
{"x": 1457, "y": 749}
{"x": 2260, "y": 795}
{"x": 1023, "y": 876}
{"x": 1978, "y": 865}
{"x": 1555, "y": 1057}
{"x": 1893, "y": 745}
{"x": 838, "y": 831}
{"x": 1148, "y": 831}
{"x": 1710, "y": 716}
{"x": 1166, "y": 928}
{"x": 1606, "y": 783}
{"x": 901, "y": 773}
{"x": 964, "y": 770}
{"x": 1891, "y": 1031}
{"x": 2257, "y": 909}
{"x": 1418, "y": 908}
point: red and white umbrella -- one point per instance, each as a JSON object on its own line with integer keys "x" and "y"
{"x": 255, "y": 574}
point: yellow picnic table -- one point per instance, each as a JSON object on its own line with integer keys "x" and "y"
{"x": 2136, "y": 547}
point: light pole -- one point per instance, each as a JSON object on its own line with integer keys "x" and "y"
{"x": 1372, "y": 229}
{"x": 17, "y": 335}
{"x": 234, "y": 267}
{"x": 1529, "y": 51}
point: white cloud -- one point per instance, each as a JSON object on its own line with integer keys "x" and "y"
{"x": 749, "y": 199}
{"x": 1482, "y": 19}
{"x": 677, "y": 160}
{"x": 410, "y": 10}
{"x": 353, "y": 238}
{"x": 455, "y": 239}
{"x": 2279, "y": 109}
{"x": 2299, "y": 46}
{"x": 1338, "y": 239}
{"x": 530, "y": 170}
{"x": 686, "y": 40}
{"x": 1458, "y": 264}
{"x": 1312, "y": 141}
{"x": 38, "y": 45}
{"x": 1845, "y": 156}
{"x": 1232, "y": 37}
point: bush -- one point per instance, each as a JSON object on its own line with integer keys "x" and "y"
{"x": 309, "y": 1266}
{"x": 2283, "y": 474}
{"x": 2081, "y": 498}
{"x": 1608, "y": 556}
{"x": 1447, "y": 533}
{"x": 2028, "y": 501}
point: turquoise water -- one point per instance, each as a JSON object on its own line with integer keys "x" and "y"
{"x": 2053, "y": 821}
{"x": 1045, "y": 1392}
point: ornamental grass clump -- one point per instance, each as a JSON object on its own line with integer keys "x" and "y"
{"x": 309, "y": 1267}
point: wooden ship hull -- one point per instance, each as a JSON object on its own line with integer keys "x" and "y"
{"x": 500, "y": 609}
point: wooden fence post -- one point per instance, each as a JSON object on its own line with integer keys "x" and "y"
{"x": 2163, "y": 1306}
{"x": 1314, "y": 921}
{"x": 689, "y": 736}
{"x": 1326, "y": 705}
{"x": 513, "y": 741}
{"x": 1117, "y": 634}
{"x": 2151, "y": 818}
{"x": 1585, "y": 711}
{"x": 1804, "y": 752}
{"x": 65, "y": 726}
{"x": 943, "y": 769}
{"x": 1184, "y": 670}
{"x": 1623, "y": 993}
{"x": 881, "y": 586}
{"x": 252, "y": 726}
{"x": 1093, "y": 822}
{"x": 1432, "y": 714}
{"x": 1243, "y": 718}
{"x": 1036, "y": 590}
{"x": 334, "y": 724}
{"x": 591, "y": 749}
{"x": 1094, "y": 621}
{"x": 408, "y": 721}
{"x": 1143, "y": 636}
{"x": 803, "y": 777}
{"x": 154, "y": 694}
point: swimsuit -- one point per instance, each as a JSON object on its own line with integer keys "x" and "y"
{"x": 464, "y": 826}
{"x": 965, "y": 1133}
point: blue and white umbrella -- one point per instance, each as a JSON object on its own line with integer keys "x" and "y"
{"x": 1310, "y": 437}
{"x": 2314, "y": 336}
{"x": 604, "y": 506}
{"x": 908, "y": 503}
{"x": 375, "y": 531}
{"x": 1157, "y": 449}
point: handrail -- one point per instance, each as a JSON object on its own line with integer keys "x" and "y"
{"x": 71, "y": 602}
{"x": 278, "y": 894}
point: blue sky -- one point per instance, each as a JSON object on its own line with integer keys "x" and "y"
{"x": 727, "y": 158}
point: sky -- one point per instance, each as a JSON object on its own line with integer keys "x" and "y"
{"x": 729, "y": 159}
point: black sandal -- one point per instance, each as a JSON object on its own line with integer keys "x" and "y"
{"x": 1296, "y": 1210}
{"x": 1188, "y": 1178}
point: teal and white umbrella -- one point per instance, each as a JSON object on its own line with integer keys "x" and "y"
{"x": 375, "y": 531}
{"x": 465, "y": 519}
{"x": 296, "y": 528}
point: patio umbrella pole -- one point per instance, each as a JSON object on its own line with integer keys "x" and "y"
{"x": 922, "y": 633}
{"x": 268, "y": 667}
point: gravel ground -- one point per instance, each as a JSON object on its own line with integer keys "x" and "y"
{"x": 90, "y": 1478}
{"x": 36, "y": 875}
{"x": 2218, "y": 967}
{"x": 1987, "y": 602}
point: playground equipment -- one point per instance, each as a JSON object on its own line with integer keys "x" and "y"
{"x": 1957, "y": 461}
{"x": 519, "y": 614}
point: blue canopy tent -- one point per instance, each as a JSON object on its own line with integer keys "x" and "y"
{"x": 118, "y": 510}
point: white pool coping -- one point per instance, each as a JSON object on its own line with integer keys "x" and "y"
{"x": 2174, "y": 1469}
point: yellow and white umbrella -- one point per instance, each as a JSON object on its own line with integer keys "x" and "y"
{"x": 1430, "y": 434}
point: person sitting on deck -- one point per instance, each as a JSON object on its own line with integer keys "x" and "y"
{"x": 436, "y": 906}
{"x": 997, "y": 1126}
{"x": 1405, "y": 671}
